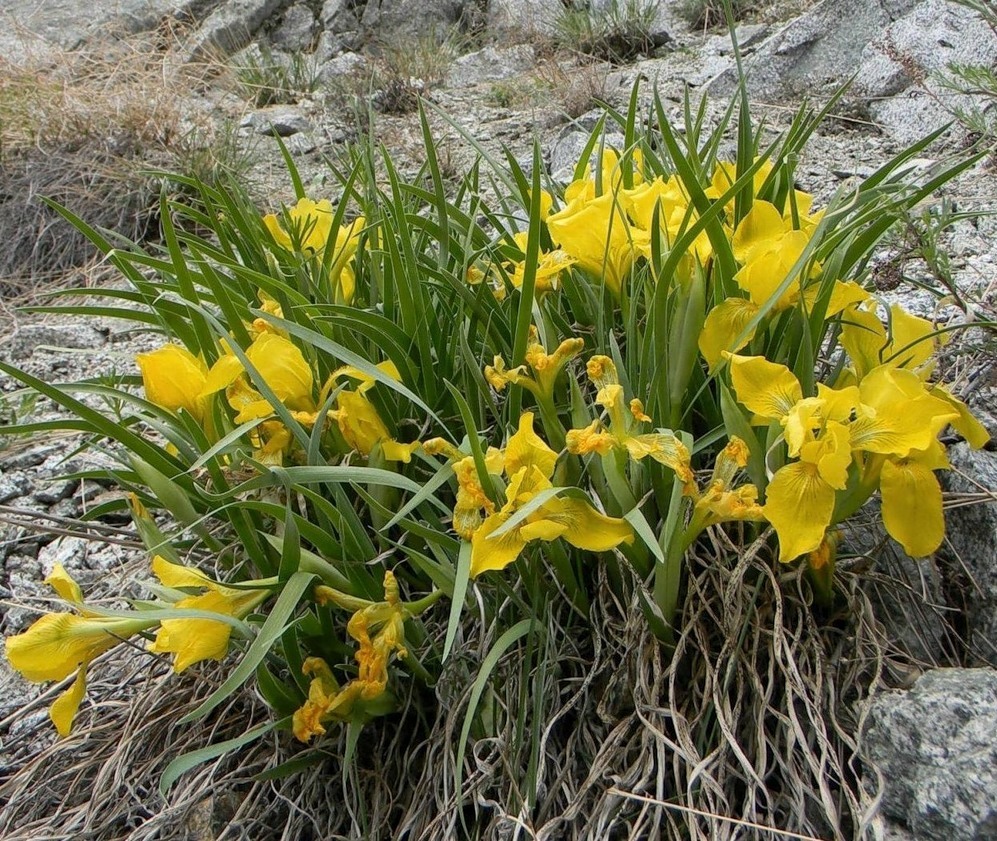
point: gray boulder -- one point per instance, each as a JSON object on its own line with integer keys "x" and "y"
{"x": 567, "y": 149}
{"x": 393, "y": 21}
{"x": 936, "y": 748}
{"x": 490, "y": 65}
{"x": 897, "y": 71}
{"x": 296, "y": 31}
{"x": 230, "y": 27}
{"x": 821, "y": 47}
{"x": 71, "y": 23}
{"x": 972, "y": 534}
{"x": 281, "y": 120}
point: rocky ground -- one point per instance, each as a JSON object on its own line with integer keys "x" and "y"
{"x": 933, "y": 741}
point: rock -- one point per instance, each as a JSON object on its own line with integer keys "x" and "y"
{"x": 896, "y": 71}
{"x": 749, "y": 35}
{"x": 70, "y": 552}
{"x": 296, "y": 31}
{"x": 395, "y": 21}
{"x": 76, "y": 336}
{"x": 229, "y": 28}
{"x": 14, "y": 486}
{"x": 15, "y": 691}
{"x": 71, "y": 23}
{"x": 936, "y": 747}
{"x": 972, "y": 533}
{"x": 347, "y": 64}
{"x": 340, "y": 29}
{"x": 906, "y": 593}
{"x": 490, "y": 65}
{"x": 55, "y": 491}
{"x": 568, "y": 148}
{"x": 333, "y": 11}
{"x": 532, "y": 17}
{"x": 280, "y": 120}
{"x": 301, "y": 144}
{"x": 821, "y": 47}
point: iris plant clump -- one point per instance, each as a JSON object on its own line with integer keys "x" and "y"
{"x": 363, "y": 415}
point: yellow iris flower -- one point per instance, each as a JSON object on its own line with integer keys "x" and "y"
{"x": 544, "y": 368}
{"x": 528, "y": 466}
{"x": 721, "y": 501}
{"x": 624, "y": 418}
{"x": 550, "y": 265}
{"x": 174, "y": 378}
{"x": 379, "y": 630}
{"x": 359, "y": 422}
{"x": 58, "y": 644}
{"x": 307, "y": 228}
{"x": 192, "y": 640}
{"x": 886, "y": 428}
{"x": 767, "y": 246}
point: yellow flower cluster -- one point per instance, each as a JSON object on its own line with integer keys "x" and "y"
{"x": 622, "y": 419}
{"x": 59, "y": 644}
{"x": 876, "y": 429}
{"x": 306, "y": 229}
{"x": 379, "y": 631}
{"x": 498, "y": 537}
{"x": 175, "y": 379}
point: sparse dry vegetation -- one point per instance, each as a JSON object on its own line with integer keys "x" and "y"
{"x": 85, "y": 129}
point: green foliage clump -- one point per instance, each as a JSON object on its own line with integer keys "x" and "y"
{"x": 508, "y": 418}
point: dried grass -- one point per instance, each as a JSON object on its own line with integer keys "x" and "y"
{"x": 748, "y": 731}
{"x": 84, "y": 128}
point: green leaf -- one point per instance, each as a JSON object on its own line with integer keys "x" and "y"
{"x": 502, "y": 644}
{"x": 459, "y": 592}
{"x": 182, "y": 764}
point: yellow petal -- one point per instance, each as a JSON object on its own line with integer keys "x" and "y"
{"x": 912, "y": 339}
{"x": 899, "y": 415}
{"x": 912, "y": 506}
{"x": 177, "y": 575}
{"x": 57, "y": 644}
{"x": 173, "y": 378}
{"x": 966, "y": 425}
{"x": 602, "y": 371}
{"x": 799, "y": 505}
{"x": 844, "y": 295}
{"x": 247, "y": 402}
{"x": 665, "y": 449}
{"x": 62, "y": 582}
{"x": 488, "y": 554}
{"x": 306, "y": 225}
{"x": 597, "y": 235}
{"x": 542, "y": 530}
{"x": 758, "y": 230}
{"x": 63, "y": 711}
{"x": 863, "y": 336}
{"x": 723, "y": 325}
{"x": 393, "y": 450}
{"x": 766, "y": 388}
{"x": 584, "y": 527}
{"x": 193, "y": 640}
{"x": 591, "y": 439}
{"x": 222, "y": 374}
{"x": 359, "y": 422}
{"x": 283, "y": 367}
{"x": 525, "y": 448}
{"x": 768, "y": 270}
{"x": 831, "y": 454}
